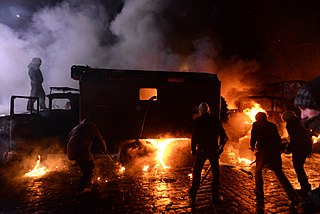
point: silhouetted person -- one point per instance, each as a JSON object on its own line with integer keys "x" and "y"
{"x": 36, "y": 78}
{"x": 266, "y": 139}
{"x": 308, "y": 101}
{"x": 300, "y": 146}
{"x": 80, "y": 141}
{"x": 204, "y": 145}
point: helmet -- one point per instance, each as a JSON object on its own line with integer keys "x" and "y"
{"x": 36, "y": 61}
{"x": 261, "y": 116}
{"x": 288, "y": 114}
{"x": 204, "y": 108}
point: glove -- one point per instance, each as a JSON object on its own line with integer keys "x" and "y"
{"x": 194, "y": 153}
{"x": 252, "y": 149}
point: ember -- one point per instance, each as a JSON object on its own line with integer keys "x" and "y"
{"x": 38, "y": 170}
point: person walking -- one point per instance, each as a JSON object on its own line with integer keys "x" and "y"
{"x": 36, "y": 80}
{"x": 300, "y": 146}
{"x": 207, "y": 132}
{"x": 266, "y": 140}
{"x": 80, "y": 141}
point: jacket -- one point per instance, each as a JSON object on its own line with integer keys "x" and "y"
{"x": 300, "y": 137}
{"x": 206, "y": 132}
{"x": 81, "y": 139}
{"x": 265, "y": 136}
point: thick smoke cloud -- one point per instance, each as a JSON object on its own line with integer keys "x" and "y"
{"x": 73, "y": 32}
{"x": 145, "y": 34}
{"x": 61, "y": 35}
{"x": 69, "y": 33}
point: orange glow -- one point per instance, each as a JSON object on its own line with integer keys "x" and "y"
{"x": 184, "y": 66}
{"x": 316, "y": 139}
{"x": 161, "y": 146}
{"x": 145, "y": 168}
{"x": 251, "y": 112}
{"x": 122, "y": 169}
{"x": 38, "y": 170}
{"x": 244, "y": 160}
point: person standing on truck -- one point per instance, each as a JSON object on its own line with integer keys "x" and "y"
{"x": 266, "y": 139}
{"x": 207, "y": 131}
{"x": 300, "y": 146}
{"x": 80, "y": 141}
{"x": 36, "y": 78}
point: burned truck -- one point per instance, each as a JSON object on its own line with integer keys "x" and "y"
{"x": 24, "y": 131}
{"x": 28, "y": 132}
{"x": 128, "y": 105}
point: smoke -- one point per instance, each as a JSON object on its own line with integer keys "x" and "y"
{"x": 62, "y": 36}
{"x": 142, "y": 35}
{"x": 237, "y": 79}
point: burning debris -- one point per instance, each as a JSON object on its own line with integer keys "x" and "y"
{"x": 38, "y": 170}
{"x": 43, "y": 166}
{"x": 154, "y": 155}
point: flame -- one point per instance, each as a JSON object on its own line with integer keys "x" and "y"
{"x": 145, "y": 168}
{"x": 38, "y": 170}
{"x": 251, "y": 112}
{"x": 316, "y": 139}
{"x": 244, "y": 160}
{"x": 122, "y": 169}
{"x": 161, "y": 146}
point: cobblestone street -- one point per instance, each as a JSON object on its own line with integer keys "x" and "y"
{"x": 146, "y": 192}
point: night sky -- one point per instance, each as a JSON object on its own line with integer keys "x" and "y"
{"x": 242, "y": 41}
{"x": 244, "y": 27}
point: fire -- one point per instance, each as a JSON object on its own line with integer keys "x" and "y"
{"x": 122, "y": 169}
{"x": 316, "y": 139}
{"x": 244, "y": 160}
{"x": 251, "y": 112}
{"x": 145, "y": 168}
{"x": 161, "y": 146}
{"x": 38, "y": 170}
{"x": 244, "y": 157}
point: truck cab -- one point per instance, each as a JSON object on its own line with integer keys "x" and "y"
{"x": 25, "y": 131}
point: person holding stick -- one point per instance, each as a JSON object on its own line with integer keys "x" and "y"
{"x": 205, "y": 145}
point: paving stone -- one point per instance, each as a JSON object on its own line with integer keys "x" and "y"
{"x": 149, "y": 193}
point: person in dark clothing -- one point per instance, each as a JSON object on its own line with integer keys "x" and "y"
{"x": 80, "y": 141}
{"x": 204, "y": 145}
{"x": 300, "y": 146}
{"x": 266, "y": 139}
{"x": 36, "y": 78}
{"x": 308, "y": 101}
